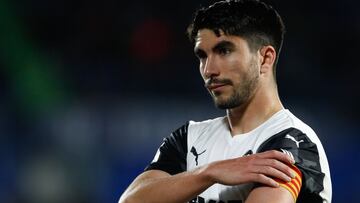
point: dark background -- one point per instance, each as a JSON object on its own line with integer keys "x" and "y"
{"x": 88, "y": 89}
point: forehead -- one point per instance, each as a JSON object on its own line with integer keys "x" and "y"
{"x": 207, "y": 39}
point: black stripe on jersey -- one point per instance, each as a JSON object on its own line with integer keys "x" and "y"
{"x": 307, "y": 160}
{"x": 172, "y": 157}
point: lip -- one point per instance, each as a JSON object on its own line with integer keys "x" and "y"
{"x": 214, "y": 87}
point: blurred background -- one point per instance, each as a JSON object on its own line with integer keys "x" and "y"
{"x": 88, "y": 90}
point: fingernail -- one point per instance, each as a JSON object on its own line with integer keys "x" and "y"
{"x": 288, "y": 179}
{"x": 276, "y": 184}
{"x": 292, "y": 174}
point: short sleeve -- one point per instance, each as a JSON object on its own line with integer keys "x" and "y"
{"x": 305, "y": 153}
{"x": 171, "y": 155}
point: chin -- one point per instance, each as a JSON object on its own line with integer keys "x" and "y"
{"x": 223, "y": 104}
{"x": 227, "y": 102}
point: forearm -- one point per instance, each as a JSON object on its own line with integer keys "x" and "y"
{"x": 178, "y": 188}
{"x": 156, "y": 186}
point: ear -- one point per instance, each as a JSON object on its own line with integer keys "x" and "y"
{"x": 268, "y": 56}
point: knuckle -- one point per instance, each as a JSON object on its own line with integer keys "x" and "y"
{"x": 273, "y": 162}
{"x": 252, "y": 158}
{"x": 268, "y": 152}
{"x": 282, "y": 165}
{"x": 285, "y": 168}
{"x": 259, "y": 176}
{"x": 268, "y": 169}
{"x": 273, "y": 153}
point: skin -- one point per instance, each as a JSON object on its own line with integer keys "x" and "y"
{"x": 240, "y": 81}
{"x": 239, "y": 65}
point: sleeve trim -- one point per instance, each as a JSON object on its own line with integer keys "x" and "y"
{"x": 294, "y": 185}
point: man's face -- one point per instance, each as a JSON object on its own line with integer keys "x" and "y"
{"x": 230, "y": 70}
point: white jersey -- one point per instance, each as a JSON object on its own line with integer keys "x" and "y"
{"x": 199, "y": 143}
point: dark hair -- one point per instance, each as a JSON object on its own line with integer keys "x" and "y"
{"x": 258, "y": 23}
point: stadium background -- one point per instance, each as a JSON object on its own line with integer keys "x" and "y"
{"x": 88, "y": 89}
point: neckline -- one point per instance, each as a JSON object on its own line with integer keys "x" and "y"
{"x": 242, "y": 136}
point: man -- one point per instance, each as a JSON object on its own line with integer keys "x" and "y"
{"x": 258, "y": 152}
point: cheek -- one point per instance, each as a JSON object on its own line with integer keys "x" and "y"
{"x": 238, "y": 72}
{"x": 235, "y": 68}
{"x": 233, "y": 62}
{"x": 238, "y": 66}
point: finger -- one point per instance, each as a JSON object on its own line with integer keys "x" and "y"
{"x": 284, "y": 168}
{"x": 274, "y": 173}
{"x": 261, "y": 178}
{"x": 274, "y": 154}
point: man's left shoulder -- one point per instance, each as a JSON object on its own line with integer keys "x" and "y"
{"x": 291, "y": 128}
{"x": 300, "y": 141}
{"x": 290, "y": 138}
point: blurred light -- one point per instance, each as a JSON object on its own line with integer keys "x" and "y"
{"x": 151, "y": 40}
{"x": 34, "y": 79}
{"x": 44, "y": 180}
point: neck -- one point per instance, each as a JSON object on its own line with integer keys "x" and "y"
{"x": 264, "y": 104}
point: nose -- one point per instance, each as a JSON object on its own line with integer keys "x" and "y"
{"x": 211, "y": 68}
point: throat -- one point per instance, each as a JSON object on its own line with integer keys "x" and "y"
{"x": 244, "y": 121}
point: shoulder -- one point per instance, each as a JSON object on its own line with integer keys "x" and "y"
{"x": 302, "y": 127}
{"x": 287, "y": 123}
{"x": 290, "y": 127}
{"x": 295, "y": 136}
{"x": 191, "y": 130}
{"x": 299, "y": 140}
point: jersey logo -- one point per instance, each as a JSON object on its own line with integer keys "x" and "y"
{"x": 250, "y": 152}
{"x": 293, "y": 139}
{"x": 194, "y": 152}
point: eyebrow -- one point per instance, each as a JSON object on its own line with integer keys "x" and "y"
{"x": 223, "y": 44}
{"x": 220, "y": 45}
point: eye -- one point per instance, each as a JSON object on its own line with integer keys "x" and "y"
{"x": 224, "y": 51}
{"x": 224, "y": 48}
{"x": 200, "y": 54}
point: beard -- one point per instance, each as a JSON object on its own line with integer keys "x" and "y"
{"x": 241, "y": 92}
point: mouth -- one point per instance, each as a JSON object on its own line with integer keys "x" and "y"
{"x": 215, "y": 86}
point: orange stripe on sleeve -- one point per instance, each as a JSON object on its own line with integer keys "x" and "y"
{"x": 297, "y": 184}
{"x": 293, "y": 194}
{"x": 294, "y": 185}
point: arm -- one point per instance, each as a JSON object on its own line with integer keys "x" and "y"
{"x": 158, "y": 186}
{"x": 288, "y": 192}
{"x": 309, "y": 176}
{"x": 269, "y": 195}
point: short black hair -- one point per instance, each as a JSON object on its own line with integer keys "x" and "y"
{"x": 258, "y": 23}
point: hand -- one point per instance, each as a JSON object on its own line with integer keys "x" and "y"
{"x": 261, "y": 168}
